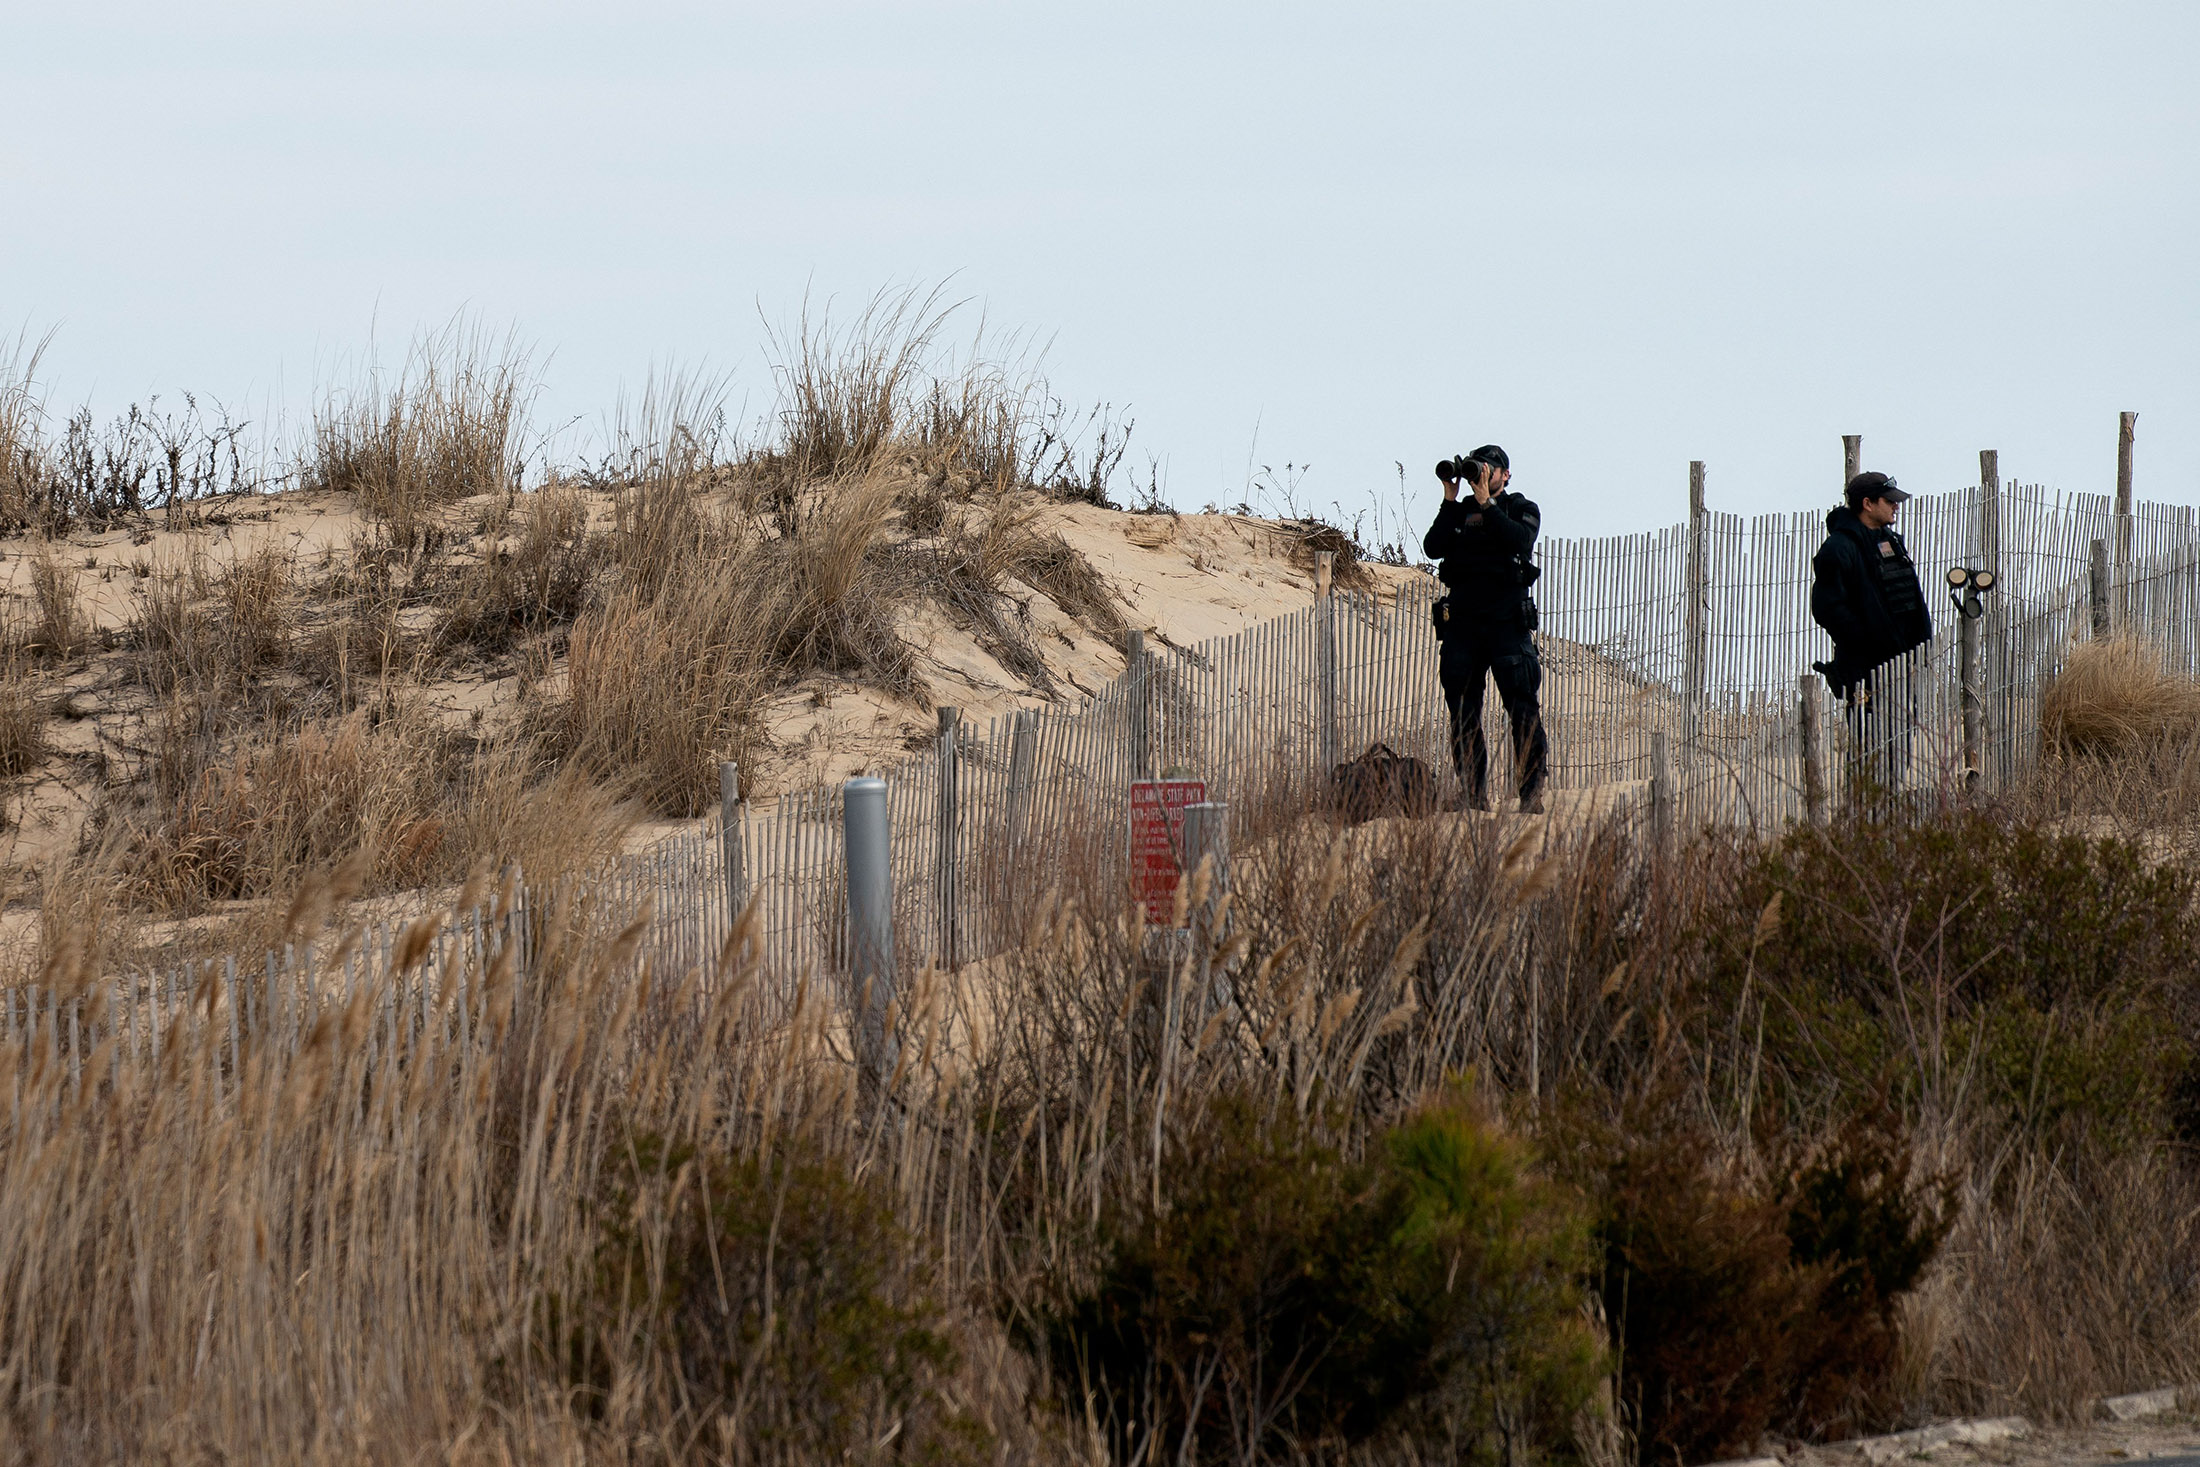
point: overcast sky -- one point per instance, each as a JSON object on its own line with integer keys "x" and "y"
{"x": 1611, "y": 238}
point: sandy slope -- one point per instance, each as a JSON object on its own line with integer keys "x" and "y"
{"x": 1181, "y": 579}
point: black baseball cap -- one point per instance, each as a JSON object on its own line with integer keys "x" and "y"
{"x": 1875, "y": 486}
{"x": 1491, "y": 454}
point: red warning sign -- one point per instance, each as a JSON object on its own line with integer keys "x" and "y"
{"x": 1157, "y": 836}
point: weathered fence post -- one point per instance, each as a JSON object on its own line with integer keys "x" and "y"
{"x": 1661, "y": 790}
{"x": 2097, "y": 588}
{"x": 1134, "y": 677}
{"x": 1809, "y": 712}
{"x": 1695, "y": 615}
{"x": 729, "y": 840}
{"x": 1852, "y": 458}
{"x": 2126, "y": 430}
{"x": 866, "y": 846}
{"x": 1990, "y": 629}
{"x": 1023, "y": 754}
{"x": 1325, "y": 624}
{"x": 947, "y": 875}
{"x": 1973, "y": 702}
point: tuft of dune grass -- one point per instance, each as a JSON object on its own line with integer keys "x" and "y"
{"x": 2118, "y": 695}
{"x": 448, "y": 427}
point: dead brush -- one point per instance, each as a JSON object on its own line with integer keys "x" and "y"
{"x": 975, "y": 424}
{"x": 265, "y": 803}
{"x": 25, "y": 708}
{"x": 554, "y": 819}
{"x": 967, "y": 572}
{"x": 214, "y": 632}
{"x": 59, "y": 631}
{"x": 1307, "y": 539}
{"x": 84, "y": 931}
{"x": 514, "y": 1181}
{"x": 839, "y": 587}
{"x": 2076, "y": 1282}
{"x": 845, "y": 393}
{"x": 660, "y": 691}
{"x": 23, "y": 470}
{"x": 672, "y": 477}
{"x": 983, "y": 555}
{"x": 238, "y": 809}
{"x": 522, "y": 590}
{"x": 372, "y": 632}
{"x": 1052, "y": 566}
{"x": 2116, "y": 696}
{"x": 450, "y": 426}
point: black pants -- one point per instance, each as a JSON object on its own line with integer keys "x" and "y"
{"x": 1506, "y": 652}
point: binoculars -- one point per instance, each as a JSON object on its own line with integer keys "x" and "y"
{"x": 1966, "y": 587}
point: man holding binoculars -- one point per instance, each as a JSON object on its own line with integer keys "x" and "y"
{"x": 1485, "y": 620}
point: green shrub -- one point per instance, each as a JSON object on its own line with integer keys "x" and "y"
{"x": 1899, "y": 950}
{"x": 1284, "y": 1297}
{"x": 1489, "y": 1259}
{"x": 778, "y": 1301}
{"x": 1746, "y": 1305}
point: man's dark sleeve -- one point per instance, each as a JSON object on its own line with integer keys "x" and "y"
{"x": 1443, "y": 537}
{"x": 1830, "y": 603}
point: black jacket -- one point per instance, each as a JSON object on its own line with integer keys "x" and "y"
{"x": 1484, "y": 553}
{"x": 1864, "y": 591}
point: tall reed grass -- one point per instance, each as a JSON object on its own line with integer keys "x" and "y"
{"x": 660, "y": 1216}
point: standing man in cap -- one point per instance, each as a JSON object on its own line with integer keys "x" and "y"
{"x": 1865, "y": 593}
{"x": 1484, "y": 622}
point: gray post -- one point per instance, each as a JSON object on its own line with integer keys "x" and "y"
{"x": 1207, "y": 833}
{"x": 1974, "y": 702}
{"x": 947, "y": 875}
{"x": 1695, "y": 612}
{"x": 1661, "y": 789}
{"x": 1325, "y": 614}
{"x": 1206, "y": 838}
{"x": 1811, "y": 713}
{"x": 1852, "y": 458}
{"x": 729, "y": 840}
{"x": 2097, "y": 588}
{"x": 1134, "y": 675}
{"x": 866, "y": 843}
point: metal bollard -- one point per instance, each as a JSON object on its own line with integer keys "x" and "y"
{"x": 867, "y": 846}
{"x": 1207, "y": 833}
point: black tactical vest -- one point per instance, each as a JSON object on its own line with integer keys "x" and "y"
{"x": 1898, "y": 588}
